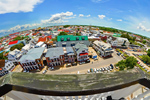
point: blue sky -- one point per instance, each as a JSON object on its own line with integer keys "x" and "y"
{"x": 129, "y": 15}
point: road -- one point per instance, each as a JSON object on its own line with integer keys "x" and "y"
{"x": 83, "y": 68}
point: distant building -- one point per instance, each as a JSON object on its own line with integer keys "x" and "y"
{"x": 12, "y": 43}
{"x": 104, "y": 49}
{"x": 33, "y": 59}
{"x": 26, "y": 48}
{"x": 70, "y": 40}
{"x": 81, "y": 52}
{"x": 118, "y": 42}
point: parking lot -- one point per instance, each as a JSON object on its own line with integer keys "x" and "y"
{"x": 82, "y": 69}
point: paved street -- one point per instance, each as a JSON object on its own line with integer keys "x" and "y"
{"x": 83, "y": 68}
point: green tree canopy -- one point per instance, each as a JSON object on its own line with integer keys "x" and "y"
{"x": 129, "y": 63}
{"x": 62, "y": 33}
{"x": 18, "y": 46}
{"x": 65, "y": 26}
{"x": 144, "y": 41}
{"x": 148, "y": 52}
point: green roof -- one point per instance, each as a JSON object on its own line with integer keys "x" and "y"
{"x": 71, "y": 37}
{"x": 116, "y": 35}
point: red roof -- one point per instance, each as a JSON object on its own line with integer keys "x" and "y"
{"x": 1, "y": 48}
{"x": 49, "y": 37}
{"x": 13, "y": 42}
{"x": 42, "y": 39}
{"x": 27, "y": 34}
{"x": 83, "y": 54}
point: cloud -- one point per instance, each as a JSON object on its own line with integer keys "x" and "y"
{"x": 101, "y": 16}
{"x": 120, "y": 20}
{"x": 58, "y": 18}
{"x": 81, "y": 15}
{"x": 142, "y": 27}
{"x": 88, "y": 15}
{"x": 9, "y": 6}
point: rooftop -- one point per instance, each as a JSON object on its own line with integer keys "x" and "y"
{"x": 71, "y": 38}
{"x": 54, "y": 52}
{"x": 33, "y": 54}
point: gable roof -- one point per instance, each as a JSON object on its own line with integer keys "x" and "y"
{"x": 80, "y": 47}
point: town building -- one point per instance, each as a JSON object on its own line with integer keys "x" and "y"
{"x": 55, "y": 57}
{"x": 81, "y": 52}
{"x": 59, "y": 56}
{"x": 118, "y": 42}
{"x": 70, "y": 40}
{"x": 6, "y": 67}
{"x": 14, "y": 55}
{"x": 104, "y": 49}
{"x": 33, "y": 59}
{"x": 69, "y": 55}
{"x": 26, "y": 48}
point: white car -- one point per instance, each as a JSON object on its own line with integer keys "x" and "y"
{"x": 94, "y": 69}
{"x": 44, "y": 71}
{"x": 88, "y": 71}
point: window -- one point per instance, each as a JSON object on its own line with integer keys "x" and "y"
{"x": 62, "y": 39}
{"x": 68, "y": 39}
{"x": 77, "y": 38}
{"x": 83, "y": 38}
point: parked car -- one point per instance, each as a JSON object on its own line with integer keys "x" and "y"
{"x": 95, "y": 59}
{"x": 74, "y": 64}
{"x": 88, "y": 71}
{"x": 80, "y": 63}
{"x": 119, "y": 54}
{"x": 87, "y": 61}
{"x": 44, "y": 71}
{"x": 91, "y": 70}
{"x": 68, "y": 65}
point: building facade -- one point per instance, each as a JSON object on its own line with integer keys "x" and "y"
{"x": 55, "y": 57}
{"x": 6, "y": 67}
{"x": 104, "y": 49}
{"x": 81, "y": 52}
{"x": 33, "y": 59}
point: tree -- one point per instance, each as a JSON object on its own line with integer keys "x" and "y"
{"x": 148, "y": 52}
{"x": 18, "y": 46}
{"x": 40, "y": 34}
{"x": 77, "y": 34}
{"x": 130, "y": 62}
{"x": 144, "y": 41}
{"x": 62, "y": 33}
{"x": 65, "y": 26}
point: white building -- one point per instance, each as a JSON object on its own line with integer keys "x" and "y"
{"x": 26, "y": 48}
{"x": 14, "y": 55}
{"x": 39, "y": 44}
{"x": 8, "y": 67}
{"x": 104, "y": 49}
{"x": 118, "y": 41}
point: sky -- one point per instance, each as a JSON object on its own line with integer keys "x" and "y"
{"x": 128, "y": 15}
